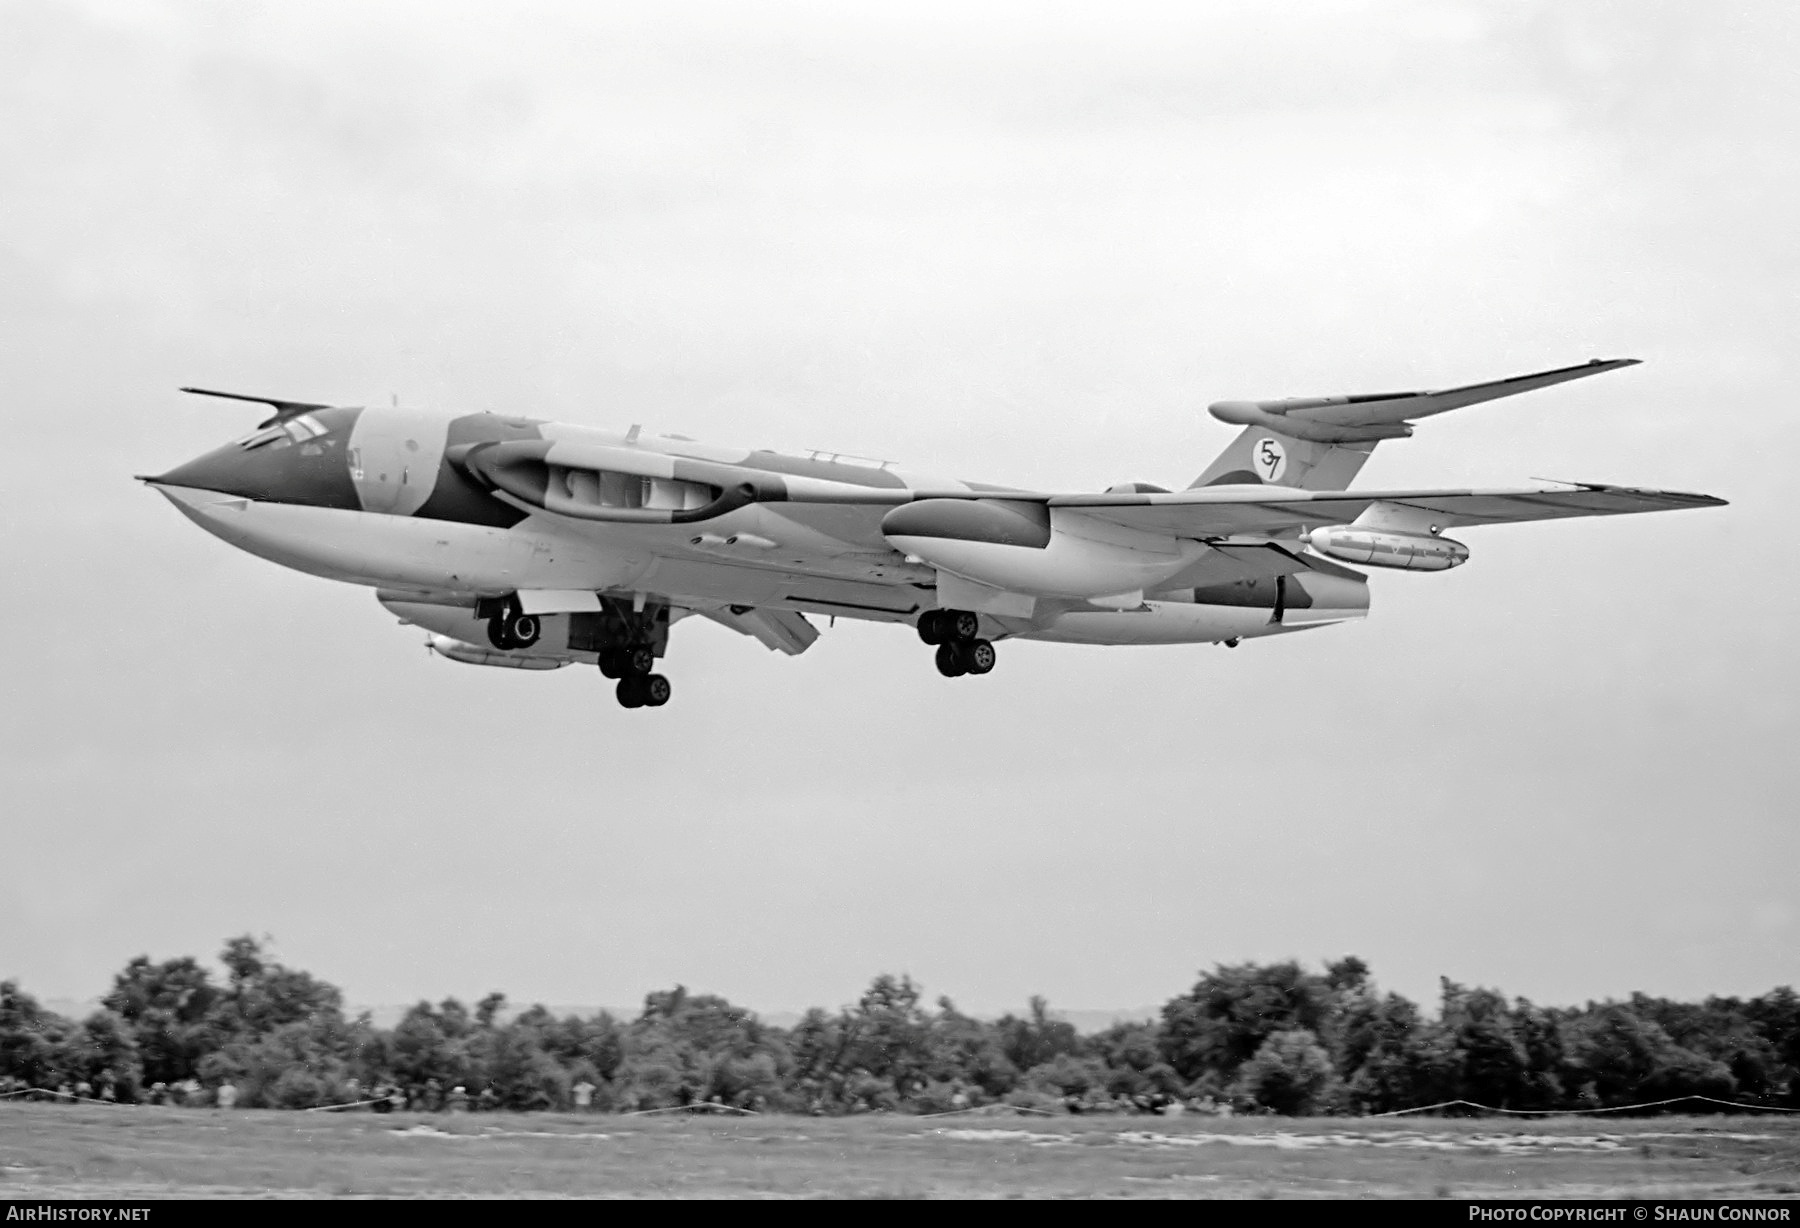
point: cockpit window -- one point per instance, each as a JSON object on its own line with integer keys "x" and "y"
{"x": 295, "y": 430}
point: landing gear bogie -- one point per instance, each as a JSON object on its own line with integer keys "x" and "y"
{"x": 956, "y": 634}
{"x": 949, "y": 626}
{"x": 971, "y": 657}
{"x": 642, "y": 691}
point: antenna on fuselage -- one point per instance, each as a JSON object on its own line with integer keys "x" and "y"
{"x": 283, "y": 409}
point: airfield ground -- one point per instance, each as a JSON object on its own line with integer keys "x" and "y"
{"x": 52, "y": 1151}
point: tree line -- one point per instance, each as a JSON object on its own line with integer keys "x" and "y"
{"x": 1248, "y": 1037}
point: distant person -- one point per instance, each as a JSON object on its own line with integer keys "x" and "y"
{"x": 84, "y": 1090}
{"x": 459, "y": 1099}
{"x": 487, "y": 1102}
{"x": 65, "y": 1093}
{"x": 584, "y": 1096}
{"x": 226, "y": 1096}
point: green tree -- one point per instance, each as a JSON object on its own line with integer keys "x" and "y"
{"x": 888, "y": 1034}
{"x": 1133, "y": 1060}
{"x": 1221, "y": 1023}
{"x": 104, "y": 1051}
{"x": 32, "y": 1039}
{"x": 1626, "y": 1059}
{"x": 1395, "y": 1059}
{"x": 966, "y": 1052}
{"x": 1037, "y": 1038}
{"x": 1495, "y": 1066}
{"x": 1290, "y": 1074}
{"x": 1776, "y": 1016}
{"x": 171, "y": 1010}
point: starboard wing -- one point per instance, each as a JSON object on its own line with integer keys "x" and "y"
{"x": 1221, "y": 511}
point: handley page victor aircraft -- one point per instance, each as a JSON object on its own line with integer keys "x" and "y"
{"x": 531, "y": 544}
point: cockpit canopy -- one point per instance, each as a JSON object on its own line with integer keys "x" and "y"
{"x": 300, "y": 429}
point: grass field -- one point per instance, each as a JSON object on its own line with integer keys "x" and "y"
{"x": 52, "y": 1151}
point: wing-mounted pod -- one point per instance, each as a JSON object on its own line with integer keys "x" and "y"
{"x": 1391, "y": 535}
{"x": 452, "y": 649}
{"x": 1377, "y": 548}
{"x": 621, "y": 485}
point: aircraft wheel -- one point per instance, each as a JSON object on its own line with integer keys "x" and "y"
{"x": 950, "y": 662}
{"x": 610, "y": 666}
{"x": 963, "y": 624}
{"x": 497, "y": 633}
{"x": 630, "y": 692}
{"x": 978, "y": 656}
{"x": 931, "y": 627}
{"x": 640, "y": 660}
{"x": 522, "y": 630}
{"x": 655, "y": 690}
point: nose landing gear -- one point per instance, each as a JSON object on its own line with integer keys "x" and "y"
{"x": 510, "y": 629}
{"x": 959, "y": 649}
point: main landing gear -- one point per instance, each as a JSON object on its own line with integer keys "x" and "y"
{"x": 627, "y": 636}
{"x": 959, "y": 649}
{"x": 638, "y": 687}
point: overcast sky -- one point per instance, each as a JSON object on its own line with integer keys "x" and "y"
{"x": 1023, "y": 243}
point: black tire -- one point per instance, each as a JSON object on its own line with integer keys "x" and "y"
{"x": 640, "y": 660}
{"x": 609, "y": 663}
{"x": 931, "y": 627}
{"x": 978, "y": 656}
{"x": 655, "y": 690}
{"x": 523, "y": 630}
{"x": 497, "y": 634}
{"x": 630, "y": 692}
{"x": 950, "y": 662}
{"x": 964, "y": 624}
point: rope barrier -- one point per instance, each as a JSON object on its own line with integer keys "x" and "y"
{"x": 1617, "y": 1108}
{"x": 989, "y": 1110}
{"x": 996, "y": 1109}
{"x": 54, "y": 1095}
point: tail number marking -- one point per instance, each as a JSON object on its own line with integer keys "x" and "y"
{"x": 1270, "y": 459}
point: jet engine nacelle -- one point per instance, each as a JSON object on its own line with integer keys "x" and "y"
{"x": 1388, "y": 548}
{"x": 1025, "y": 547}
{"x": 474, "y": 654}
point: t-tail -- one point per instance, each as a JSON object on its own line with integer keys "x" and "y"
{"x": 1321, "y": 443}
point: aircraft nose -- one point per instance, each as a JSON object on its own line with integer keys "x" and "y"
{"x": 223, "y": 469}
{"x": 283, "y": 464}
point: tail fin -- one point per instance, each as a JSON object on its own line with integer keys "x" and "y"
{"x": 1321, "y": 443}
